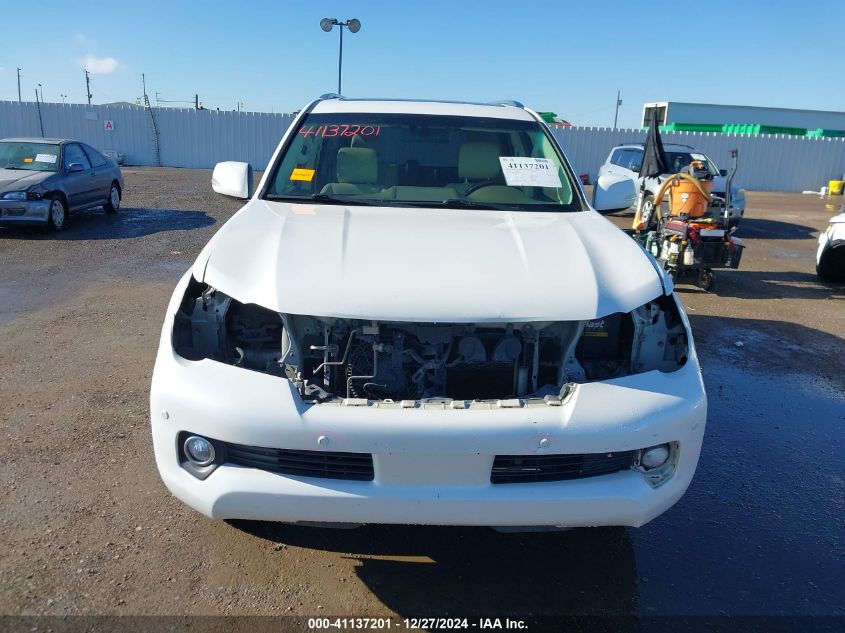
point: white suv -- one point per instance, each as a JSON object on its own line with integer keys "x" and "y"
{"x": 612, "y": 191}
{"x": 418, "y": 319}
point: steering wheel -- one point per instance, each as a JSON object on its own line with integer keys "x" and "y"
{"x": 479, "y": 185}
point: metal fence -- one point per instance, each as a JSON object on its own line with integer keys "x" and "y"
{"x": 201, "y": 138}
{"x": 776, "y": 162}
{"x": 186, "y": 137}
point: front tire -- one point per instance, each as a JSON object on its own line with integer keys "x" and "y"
{"x": 831, "y": 265}
{"x": 113, "y": 203}
{"x": 57, "y": 215}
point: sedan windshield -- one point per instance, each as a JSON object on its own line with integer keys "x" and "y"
{"x": 29, "y": 156}
{"x": 678, "y": 160}
{"x": 424, "y": 160}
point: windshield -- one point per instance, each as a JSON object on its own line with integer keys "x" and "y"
{"x": 676, "y": 161}
{"x": 29, "y": 156}
{"x": 424, "y": 160}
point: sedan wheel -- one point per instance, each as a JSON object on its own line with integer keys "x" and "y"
{"x": 56, "y": 217}
{"x": 648, "y": 211}
{"x": 114, "y": 200}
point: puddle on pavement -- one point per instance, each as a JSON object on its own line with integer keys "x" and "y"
{"x": 760, "y": 529}
{"x": 130, "y": 222}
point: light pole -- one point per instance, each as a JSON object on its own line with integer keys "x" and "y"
{"x": 618, "y": 103}
{"x": 354, "y": 26}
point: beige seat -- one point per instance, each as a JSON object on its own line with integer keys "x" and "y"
{"x": 357, "y": 172}
{"x": 388, "y": 173}
{"x": 477, "y": 161}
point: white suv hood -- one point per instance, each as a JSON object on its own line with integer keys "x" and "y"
{"x": 418, "y": 264}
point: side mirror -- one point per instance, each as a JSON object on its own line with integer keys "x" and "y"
{"x": 74, "y": 168}
{"x": 232, "y": 179}
{"x": 723, "y": 172}
{"x": 635, "y": 168}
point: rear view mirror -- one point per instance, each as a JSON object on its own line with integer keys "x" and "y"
{"x": 723, "y": 172}
{"x": 232, "y": 179}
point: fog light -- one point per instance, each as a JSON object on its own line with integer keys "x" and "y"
{"x": 655, "y": 456}
{"x": 199, "y": 450}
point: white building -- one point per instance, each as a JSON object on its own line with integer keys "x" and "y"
{"x": 708, "y": 113}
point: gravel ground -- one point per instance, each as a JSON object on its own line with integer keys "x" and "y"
{"x": 88, "y": 527}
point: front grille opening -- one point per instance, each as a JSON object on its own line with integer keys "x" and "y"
{"x": 512, "y": 469}
{"x": 322, "y": 464}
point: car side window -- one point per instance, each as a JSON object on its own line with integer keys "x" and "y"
{"x": 629, "y": 158}
{"x": 74, "y": 154}
{"x": 636, "y": 160}
{"x": 96, "y": 158}
{"x": 623, "y": 159}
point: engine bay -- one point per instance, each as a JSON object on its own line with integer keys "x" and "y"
{"x": 329, "y": 358}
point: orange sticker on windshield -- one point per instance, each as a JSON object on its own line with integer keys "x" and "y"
{"x": 299, "y": 173}
{"x": 27, "y": 160}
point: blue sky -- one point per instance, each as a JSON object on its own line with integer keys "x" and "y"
{"x": 565, "y": 57}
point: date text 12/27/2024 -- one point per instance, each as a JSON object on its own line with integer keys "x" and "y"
{"x": 481, "y": 624}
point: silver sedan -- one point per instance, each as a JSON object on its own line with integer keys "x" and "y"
{"x": 43, "y": 180}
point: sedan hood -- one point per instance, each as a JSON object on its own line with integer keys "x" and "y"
{"x": 720, "y": 185}
{"x": 429, "y": 265}
{"x": 20, "y": 179}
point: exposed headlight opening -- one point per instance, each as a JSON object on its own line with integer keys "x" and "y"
{"x": 328, "y": 358}
{"x": 210, "y": 324}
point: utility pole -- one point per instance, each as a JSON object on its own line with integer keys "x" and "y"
{"x": 618, "y": 103}
{"x": 19, "y": 85}
{"x": 40, "y": 120}
{"x": 196, "y": 102}
{"x": 144, "y": 84}
{"x": 88, "y": 86}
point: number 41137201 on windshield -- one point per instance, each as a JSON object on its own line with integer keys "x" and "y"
{"x": 328, "y": 131}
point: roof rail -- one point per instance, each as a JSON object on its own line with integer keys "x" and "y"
{"x": 330, "y": 95}
{"x": 507, "y": 102}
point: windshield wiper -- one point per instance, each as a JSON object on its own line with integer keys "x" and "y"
{"x": 326, "y": 197}
{"x": 12, "y": 167}
{"x": 463, "y": 203}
